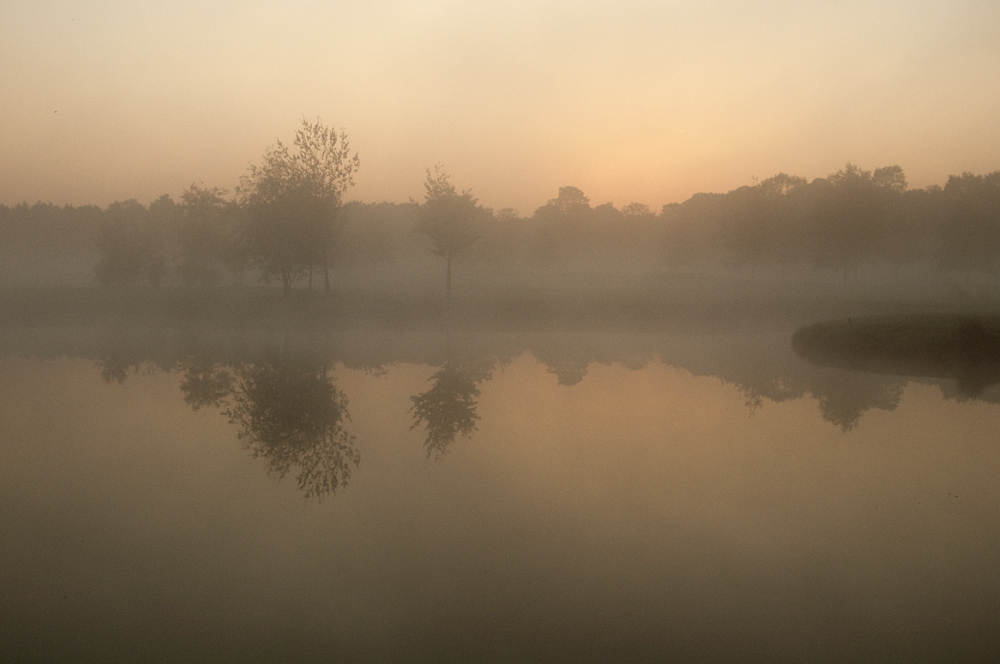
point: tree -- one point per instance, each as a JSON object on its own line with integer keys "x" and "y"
{"x": 292, "y": 201}
{"x": 562, "y": 225}
{"x": 849, "y": 219}
{"x": 130, "y": 246}
{"x": 970, "y": 232}
{"x": 448, "y": 218}
{"x": 201, "y": 236}
{"x": 757, "y": 220}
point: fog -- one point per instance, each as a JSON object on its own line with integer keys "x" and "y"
{"x": 855, "y": 233}
{"x": 485, "y": 332}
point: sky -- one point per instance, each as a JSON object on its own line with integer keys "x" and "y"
{"x": 637, "y": 101}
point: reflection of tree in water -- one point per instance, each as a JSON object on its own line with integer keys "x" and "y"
{"x": 963, "y": 351}
{"x": 568, "y": 372}
{"x": 569, "y": 364}
{"x": 204, "y": 383}
{"x": 448, "y": 408}
{"x": 565, "y": 358}
{"x": 960, "y": 392}
{"x": 288, "y": 411}
{"x": 844, "y": 401}
{"x": 770, "y": 388}
{"x": 115, "y": 369}
{"x": 843, "y": 396}
{"x": 121, "y": 358}
{"x": 977, "y": 359}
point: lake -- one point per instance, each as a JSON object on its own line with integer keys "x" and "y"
{"x": 466, "y": 495}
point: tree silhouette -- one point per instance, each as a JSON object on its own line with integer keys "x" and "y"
{"x": 203, "y": 238}
{"x": 970, "y": 234}
{"x": 130, "y": 244}
{"x": 848, "y": 220}
{"x": 448, "y": 218}
{"x": 292, "y": 201}
{"x": 562, "y": 225}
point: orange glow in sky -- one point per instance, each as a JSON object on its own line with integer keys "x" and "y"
{"x": 638, "y": 101}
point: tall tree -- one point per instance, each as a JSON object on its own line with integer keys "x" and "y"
{"x": 292, "y": 199}
{"x": 448, "y": 218}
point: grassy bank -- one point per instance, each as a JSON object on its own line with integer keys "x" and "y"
{"x": 706, "y": 306}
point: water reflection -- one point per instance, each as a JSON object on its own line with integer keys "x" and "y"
{"x": 849, "y": 368}
{"x": 844, "y": 398}
{"x": 962, "y": 349}
{"x": 290, "y": 413}
{"x": 204, "y": 383}
{"x": 448, "y": 408}
{"x": 648, "y": 503}
{"x": 285, "y": 405}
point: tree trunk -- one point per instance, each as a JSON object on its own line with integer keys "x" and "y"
{"x": 286, "y": 284}
{"x": 326, "y": 271}
{"x": 447, "y": 282}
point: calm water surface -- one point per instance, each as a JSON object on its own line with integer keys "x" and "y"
{"x": 557, "y": 501}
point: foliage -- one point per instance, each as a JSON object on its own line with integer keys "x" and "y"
{"x": 131, "y": 247}
{"x": 291, "y": 200}
{"x": 204, "y": 236}
{"x": 561, "y": 225}
{"x": 289, "y": 219}
{"x": 448, "y": 218}
{"x": 970, "y": 234}
{"x": 451, "y": 220}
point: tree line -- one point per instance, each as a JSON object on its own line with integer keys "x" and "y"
{"x": 287, "y": 222}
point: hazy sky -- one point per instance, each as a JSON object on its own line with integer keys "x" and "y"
{"x": 630, "y": 101}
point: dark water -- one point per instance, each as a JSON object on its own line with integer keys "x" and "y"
{"x": 502, "y": 497}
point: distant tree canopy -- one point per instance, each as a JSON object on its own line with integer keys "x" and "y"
{"x": 288, "y": 219}
{"x": 852, "y": 218}
{"x": 970, "y": 238}
{"x": 451, "y": 220}
{"x": 204, "y": 236}
{"x": 291, "y": 202}
{"x": 561, "y": 225}
{"x": 131, "y": 243}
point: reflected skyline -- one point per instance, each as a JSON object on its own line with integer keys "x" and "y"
{"x": 964, "y": 350}
{"x": 765, "y": 373}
